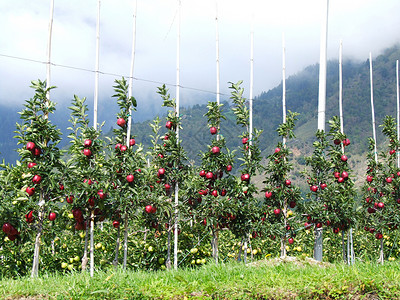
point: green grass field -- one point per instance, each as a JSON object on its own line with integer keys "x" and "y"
{"x": 271, "y": 279}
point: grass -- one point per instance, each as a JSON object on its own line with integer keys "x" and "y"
{"x": 264, "y": 280}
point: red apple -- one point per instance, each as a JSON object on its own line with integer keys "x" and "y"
{"x": 149, "y": 209}
{"x": 130, "y": 178}
{"x": 70, "y": 199}
{"x": 37, "y": 151}
{"x": 244, "y": 140}
{"x": 343, "y": 158}
{"x": 268, "y": 194}
{"x": 371, "y": 210}
{"x": 389, "y": 179}
{"x": 115, "y": 224}
{"x": 37, "y": 179}
{"x": 123, "y": 148}
{"x": 7, "y": 227}
{"x": 337, "y": 142}
{"x": 214, "y": 193}
{"x": 121, "y": 122}
{"x": 318, "y": 225}
{"x": 245, "y": 177}
{"x": 223, "y": 192}
{"x": 381, "y": 205}
{"x": 31, "y": 165}
{"x": 292, "y": 204}
{"x": 87, "y": 152}
{"x": 228, "y": 168}
{"x": 346, "y": 142}
{"x": 314, "y": 188}
{"x": 91, "y": 201}
{"x": 87, "y": 143}
{"x": 118, "y": 146}
{"x": 215, "y": 150}
{"x": 277, "y": 211}
{"x": 209, "y": 175}
{"x": 288, "y": 182}
{"x": 101, "y": 195}
{"x": 167, "y": 186}
{"x": 30, "y": 146}
{"x": 52, "y": 216}
{"x": 202, "y": 173}
{"x": 336, "y": 174}
{"x": 323, "y": 186}
{"x": 161, "y": 172}
{"x": 30, "y": 191}
{"x": 277, "y": 150}
{"x": 340, "y": 179}
{"x": 345, "y": 174}
{"x": 169, "y": 124}
{"x": 290, "y": 241}
{"x": 370, "y": 178}
{"x": 132, "y": 142}
{"x": 213, "y": 130}
{"x": 336, "y": 230}
{"x": 379, "y": 235}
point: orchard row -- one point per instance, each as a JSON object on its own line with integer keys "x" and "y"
{"x": 115, "y": 180}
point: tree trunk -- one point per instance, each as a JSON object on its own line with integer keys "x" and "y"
{"x": 344, "y": 248}
{"x": 92, "y": 243}
{"x": 115, "y": 261}
{"x": 240, "y": 251}
{"x": 36, "y": 255}
{"x": 168, "y": 262}
{"x": 381, "y": 257}
{"x": 125, "y": 240}
{"x": 84, "y": 257}
{"x": 318, "y": 244}
{"x": 214, "y": 244}
{"x": 245, "y": 252}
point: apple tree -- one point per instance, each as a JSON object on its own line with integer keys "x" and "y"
{"x": 280, "y": 194}
{"x": 243, "y": 203}
{"x": 87, "y": 186}
{"x": 40, "y": 165}
{"x": 381, "y": 188}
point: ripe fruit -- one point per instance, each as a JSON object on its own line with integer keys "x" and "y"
{"x": 340, "y": 179}
{"x": 31, "y": 165}
{"x": 169, "y": 124}
{"x": 346, "y": 142}
{"x": 37, "y": 151}
{"x": 70, "y": 199}
{"x": 123, "y": 148}
{"x": 345, "y": 174}
{"x": 336, "y": 230}
{"x": 223, "y": 192}
{"x": 268, "y": 194}
{"x": 149, "y": 209}
{"x": 132, "y": 142}
{"x": 87, "y": 152}
{"x": 116, "y": 224}
{"x": 118, "y": 146}
{"x": 213, "y": 130}
{"x": 392, "y": 151}
{"x": 7, "y": 227}
{"x": 337, "y": 142}
{"x": 245, "y": 177}
{"x": 277, "y": 150}
{"x": 318, "y": 225}
{"x": 209, "y": 175}
{"x": 52, "y": 216}
{"x": 371, "y": 210}
{"x": 202, "y": 173}
{"x": 277, "y": 211}
{"x": 121, "y": 122}
{"x": 244, "y": 140}
{"x": 343, "y": 158}
{"x": 87, "y": 143}
{"x": 130, "y": 178}
{"x": 336, "y": 174}
{"x": 290, "y": 241}
{"x": 292, "y": 204}
{"x": 314, "y": 188}
{"x": 215, "y": 150}
{"x": 30, "y": 146}
{"x": 91, "y": 201}
{"x": 381, "y": 205}
{"x": 288, "y": 182}
{"x": 167, "y": 186}
{"x": 37, "y": 179}
{"x": 101, "y": 195}
{"x": 389, "y": 179}
{"x": 228, "y": 168}
{"x": 370, "y": 178}
{"x": 323, "y": 186}
{"x": 214, "y": 193}
{"x": 379, "y": 235}
{"x": 30, "y": 191}
{"x": 161, "y": 172}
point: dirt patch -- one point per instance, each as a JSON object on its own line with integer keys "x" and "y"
{"x": 307, "y": 261}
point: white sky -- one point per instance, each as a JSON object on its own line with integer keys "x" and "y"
{"x": 364, "y": 26}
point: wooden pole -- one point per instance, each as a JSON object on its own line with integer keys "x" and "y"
{"x": 398, "y": 110}
{"x": 322, "y": 106}
{"x": 341, "y": 88}
{"x": 251, "y": 84}
{"x": 372, "y": 106}
{"x": 128, "y": 132}
{"x": 283, "y": 83}
{"x": 217, "y": 51}
{"x": 49, "y": 49}
{"x": 96, "y": 78}
{"x": 178, "y": 46}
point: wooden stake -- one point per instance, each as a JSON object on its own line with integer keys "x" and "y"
{"x": 49, "y": 50}
{"x": 96, "y": 78}
{"x": 372, "y": 105}
{"x": 217, "y": 51}
{"x": 178, "y": 46}
{"x": 398, "y": 110}
{"x": 322, "y": 107}
{"x": 251, "y": 82}
{"x": 283, "y": 83}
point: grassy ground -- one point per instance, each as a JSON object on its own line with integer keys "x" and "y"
{"x": 273, "y": 279}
